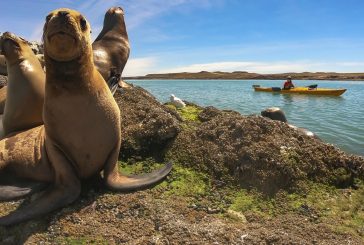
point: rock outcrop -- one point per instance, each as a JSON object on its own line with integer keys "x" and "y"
{"x": 260, "y": 153}
{"x": 146, "y": 125}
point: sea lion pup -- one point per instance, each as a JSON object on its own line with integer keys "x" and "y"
{"x": 81, "y": 132}
{"x": 111, "y": 47}
{"x": 26, "y": 85}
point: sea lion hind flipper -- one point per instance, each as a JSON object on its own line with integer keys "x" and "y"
{"x": 119, "y": 182}
{"x": 116, "y": 181}
{"x": 12, "y": 192}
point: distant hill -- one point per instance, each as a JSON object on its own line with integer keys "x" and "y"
{"x": 242, "y": 75}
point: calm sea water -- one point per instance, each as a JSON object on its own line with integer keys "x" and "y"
{"x": 336, "y": 120}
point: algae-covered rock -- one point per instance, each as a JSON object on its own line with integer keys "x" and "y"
{"x": 261, "y": 153}
{"x": 146, "y": 125}
{"x": 208, "y": 113}
{"x": 3, "y": 81}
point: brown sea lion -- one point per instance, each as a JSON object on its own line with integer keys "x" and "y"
{"x": 111, "y": 47}
{"x": 277, "y": 114}
{"x": 274, "y": 113}
{"x": 3, "y": 92}
{"x": 81, "y": 132}
{"x": 3, "y": 70}
{"x": 26, "y": 85}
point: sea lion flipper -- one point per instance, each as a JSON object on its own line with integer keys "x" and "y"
{"x": 52, "y": 199}
{"x": 113, "y": 83}
{"x": 11, "y": 192}
{"x": 119, "y": 182}
{"x": 116, "y": 181}
{"x": 65, "y": 189}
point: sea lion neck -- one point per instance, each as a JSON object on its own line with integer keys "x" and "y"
{"x": 67, "y": 73}
{"x": 116, "y": 24}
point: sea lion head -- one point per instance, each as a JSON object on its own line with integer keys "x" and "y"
{"x": 274, "y": 113}
{"x": 66, "y": 35}
{"x": 14, "y": 48}
{"x": 114, "y": 18}
{"x": 114, "y": 13}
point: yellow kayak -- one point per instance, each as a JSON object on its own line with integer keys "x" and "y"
{"x": 301, "y": 90}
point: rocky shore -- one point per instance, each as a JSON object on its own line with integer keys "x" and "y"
{"x": 236, "y": 179}
{"x": 243, "y": 75}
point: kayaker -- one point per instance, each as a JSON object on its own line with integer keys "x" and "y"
{"x": 288, "y": 84}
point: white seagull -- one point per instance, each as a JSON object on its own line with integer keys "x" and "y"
{"x": 177, "y": 101}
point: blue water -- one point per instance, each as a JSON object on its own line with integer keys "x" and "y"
{"x": 336, "y": 120}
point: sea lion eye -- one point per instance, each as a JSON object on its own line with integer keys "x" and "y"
{"x": 83, "y": 24}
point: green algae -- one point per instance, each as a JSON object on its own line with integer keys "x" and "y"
{"x": 181, "y": 182}
{"x": 188, "y": 113}
{"x": 188, "y": 183}
{"x": 342, "y": 209}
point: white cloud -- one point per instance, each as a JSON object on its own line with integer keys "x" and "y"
{"x": 143, "y": 66}
{"x": 258, "y": 67}
{"x": 271, "y": 67}
{"x": 140, "y": 66}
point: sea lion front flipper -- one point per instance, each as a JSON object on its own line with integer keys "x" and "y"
{"x": 113, "y": 82}
{"x": 114, "y": 180}
{"x": 12, "y": 187}
{"x": 11, "y": 192}
{"x": 65, "y": 189}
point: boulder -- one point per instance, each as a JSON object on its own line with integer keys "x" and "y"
{"x": 146, "y": 124}
{"x": 261, "y": 153}
{"x": 37, "y": 47}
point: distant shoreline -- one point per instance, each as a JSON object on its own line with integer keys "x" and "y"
{"x": 241, "y": 75}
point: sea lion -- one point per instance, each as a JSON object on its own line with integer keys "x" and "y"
{"x": 81, "y": 132}
{"x": 26, "y": 85}
{"x": 274, "y": 113}
{"x": 3, "y": 92}
{"x": 3, "y": 70}
{"x": 111, "y": 47}
{"x": 277, "y": 114}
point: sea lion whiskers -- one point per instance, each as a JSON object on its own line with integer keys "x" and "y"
{"x": 66, "y": 34}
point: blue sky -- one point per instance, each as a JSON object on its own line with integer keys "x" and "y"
{"x": 265, "y": 36}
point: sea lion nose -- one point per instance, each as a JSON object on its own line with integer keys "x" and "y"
{"x": 63, "y": 13}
